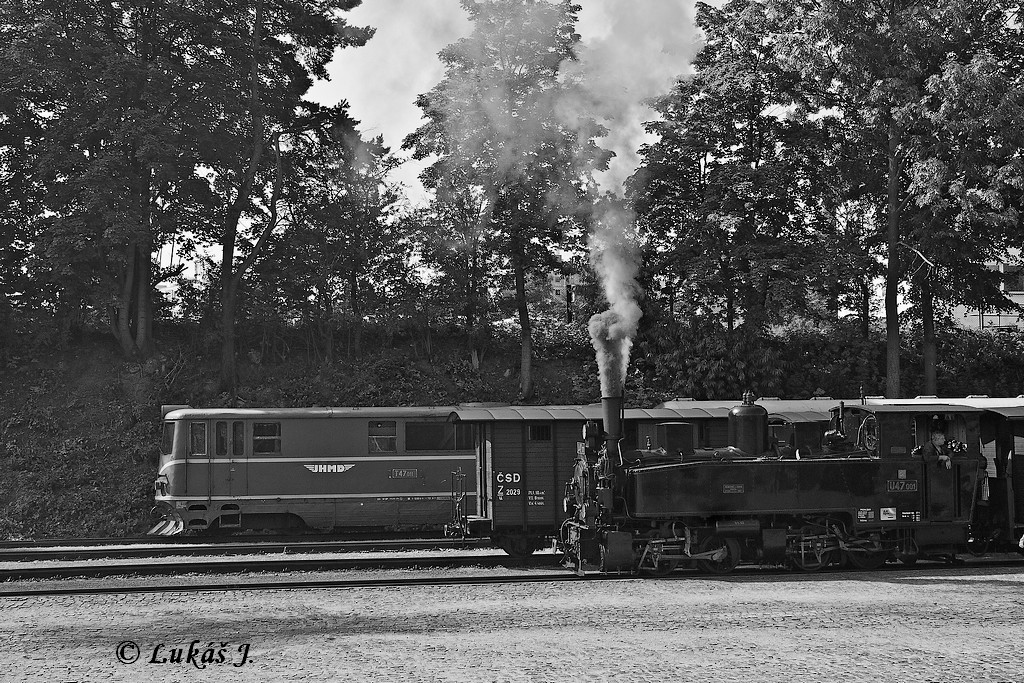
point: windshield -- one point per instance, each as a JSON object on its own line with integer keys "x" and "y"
{"x": 167, "y": 443}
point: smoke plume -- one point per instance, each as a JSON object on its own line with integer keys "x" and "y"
{"x": 647, "y": 45}
{"x": 614, "y": 254}
{"x": 650, "y": 45}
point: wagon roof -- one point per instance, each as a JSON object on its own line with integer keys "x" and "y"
{"x": 579, "y": 413}
{"x": 918, "y": 407}
{"x": 324, "y": 412}
{"x": 802, "y": 415}
{"x": 1010, "y": 408}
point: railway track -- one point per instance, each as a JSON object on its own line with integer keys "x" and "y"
{"x": 22, "y": 591}
{"x": 17, "y": 589}
{"x": 172, "y": 566}
{"x": 213, "y": 539}
{"x": 89, "y": 549}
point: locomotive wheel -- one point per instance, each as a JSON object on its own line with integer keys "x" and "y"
{"x": 907, "y": 559}
{"x": 726, "y": 564}
{"x": 518, "y": 546}
{"x": 871, "y": 557}
{"x": 809, "y": 559}
{"x": 664, "y": 568}
{"x": 866, "y": 560}
{"x": 811, "y": 562}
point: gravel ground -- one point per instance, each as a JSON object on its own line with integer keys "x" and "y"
{"x": 964, "y": 624}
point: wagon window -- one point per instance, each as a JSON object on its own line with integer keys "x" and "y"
{"x": 266, "y": 437}
{"x": 197, "y": 438}
{"x": 237, "y": 438}
{"x": 540, "y": 432}
{"x": 383, "y": 436}
{"x": 167, "y": 444}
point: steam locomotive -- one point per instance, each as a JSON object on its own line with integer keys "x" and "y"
{"x": 868, "y": 494}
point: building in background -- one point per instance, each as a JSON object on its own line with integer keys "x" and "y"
{"x": 1013, "y": 287}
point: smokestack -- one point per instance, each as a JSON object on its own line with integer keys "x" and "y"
{"x": 611, "y": 414}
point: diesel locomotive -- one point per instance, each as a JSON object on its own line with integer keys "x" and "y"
{"x": 390, "y": 469}
{"x": 868, "y": 493}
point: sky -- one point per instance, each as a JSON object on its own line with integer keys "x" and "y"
{"x": 632, "y": 49}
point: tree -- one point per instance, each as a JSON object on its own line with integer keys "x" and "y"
{"x": 103, "y": 84}
{"x": 493, "y": 123}
{"x": 726, "y": 194}
{"x": 456, "y": 244}
{"x": 967, "y": 183}
{"x": 869, "y": 64}
{"x": 343, "y": 242}
{"x": 265, "y": 58}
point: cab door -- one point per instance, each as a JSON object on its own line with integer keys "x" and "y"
{"x": 230, "y": 464}
{"x": 198, "y": 464}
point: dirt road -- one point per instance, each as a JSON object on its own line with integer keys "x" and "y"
{"x": 902, "y": 626}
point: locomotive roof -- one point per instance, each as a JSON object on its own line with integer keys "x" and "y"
{"x": 324, "y": 412}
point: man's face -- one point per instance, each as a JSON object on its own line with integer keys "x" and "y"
{"x": 939, "y": 439}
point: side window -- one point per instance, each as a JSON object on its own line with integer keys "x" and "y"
{"x": 266, "y": 437}
{"x": 237, "y": 438}
{"x": 438, "y": 436}
{"x": 383, "y": 436}
{"x": 464, "y": 437}
{"x": 540, "y": 432}
{"x": 197, "y": 438}
{"x": 221, "y": 447}
{"x": 167, "y": 443}
{"x": 429, "y": 436}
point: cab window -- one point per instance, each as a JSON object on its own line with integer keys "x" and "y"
{"x": 236, "y": 439}
{"x": 383, "y": 436}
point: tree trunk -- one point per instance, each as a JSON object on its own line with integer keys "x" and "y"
{"x": 892, "y": 273}
{"x": 865, "y": 309}
{"x": 230, "y": 277}
{"x": 929, "y": 352}
{"x": 357, "y": 313}
{"x": 228, "y": 364}
{"x": 526, "y": 356}
{"x": 120, "y": 322}
{"x": 144, "y": 300}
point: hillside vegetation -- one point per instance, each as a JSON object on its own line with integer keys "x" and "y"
{"x": 79, "y": 428}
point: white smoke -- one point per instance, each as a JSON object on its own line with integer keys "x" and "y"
{"x": 614, "y": 254}
{"x": 647, "y": 45}
{"x": 650, "y": 45}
